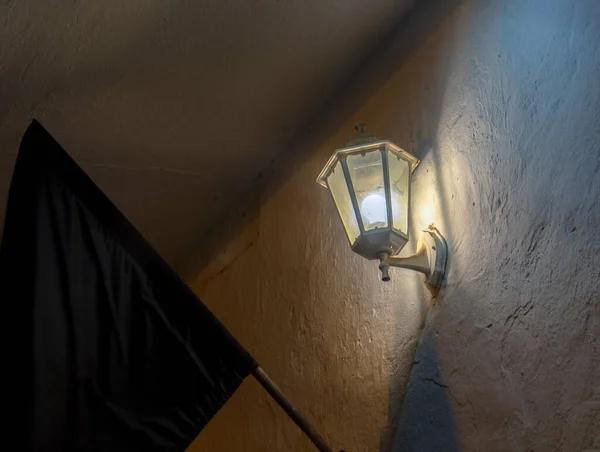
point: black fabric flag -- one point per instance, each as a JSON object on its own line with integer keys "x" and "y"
{"x": 120, "y": 355}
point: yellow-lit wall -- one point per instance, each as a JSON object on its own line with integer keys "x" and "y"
{"x": 501, "y": 103}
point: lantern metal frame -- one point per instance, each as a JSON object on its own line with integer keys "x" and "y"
{"x": 384, "y": 243}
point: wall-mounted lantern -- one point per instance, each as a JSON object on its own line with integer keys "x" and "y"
{"x": 369, "y": 181}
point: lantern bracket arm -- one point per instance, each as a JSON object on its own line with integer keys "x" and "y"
{"x": 417, "y": 262}
{"x": 430, "y": 258}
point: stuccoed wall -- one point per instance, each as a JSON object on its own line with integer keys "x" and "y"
{"x": 501, "y": 102}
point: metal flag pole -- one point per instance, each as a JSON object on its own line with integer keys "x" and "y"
{"x": 291, "y": 410}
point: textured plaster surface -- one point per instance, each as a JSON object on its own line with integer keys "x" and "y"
{"x": 173, "y": 107}
{"x": 502, "y": 103}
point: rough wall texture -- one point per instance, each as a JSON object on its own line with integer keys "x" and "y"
{"x": 502, "y": 105}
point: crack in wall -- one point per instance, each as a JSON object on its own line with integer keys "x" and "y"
{"x": 520, "y": 312}
{"x": 435, "y": 382}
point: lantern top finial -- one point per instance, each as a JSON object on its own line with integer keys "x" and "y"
{"x": 361, "y": 137}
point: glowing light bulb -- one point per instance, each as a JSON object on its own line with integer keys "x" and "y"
{"x": 373, "y": 208}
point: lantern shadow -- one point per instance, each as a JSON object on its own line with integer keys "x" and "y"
{"x": 420, "y": 410}
{"x": 426, "y": 422}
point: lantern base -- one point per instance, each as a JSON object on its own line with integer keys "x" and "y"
{"x": 384, "y": 240}
{"x": 430, "y": 259}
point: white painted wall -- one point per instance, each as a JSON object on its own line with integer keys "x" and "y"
{"x": 502, "y": 104}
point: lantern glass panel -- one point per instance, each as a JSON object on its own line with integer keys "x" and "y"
{"x": 399, "y": 171}
{"x": 341, "y": 197}
{"x": 366, "y": 173}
